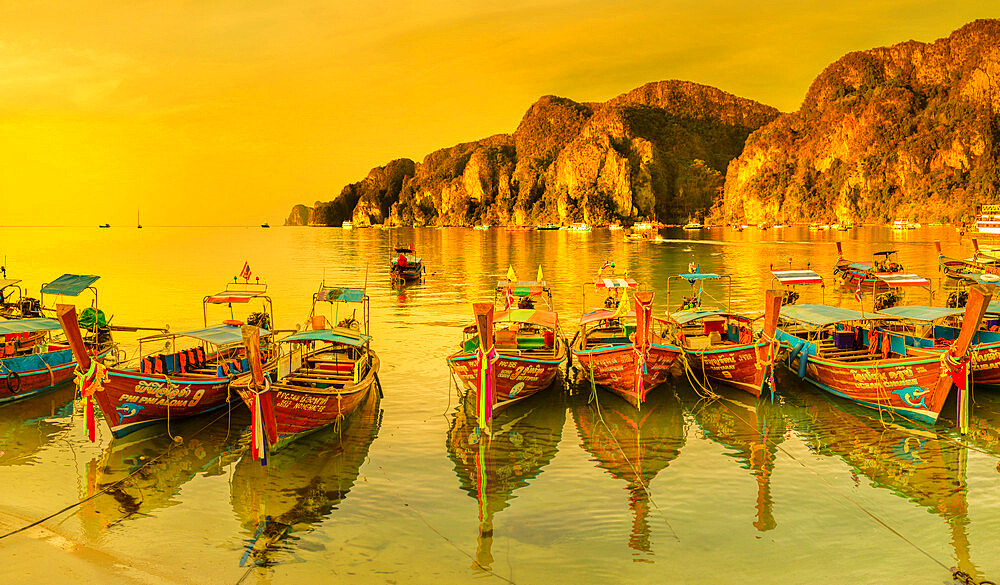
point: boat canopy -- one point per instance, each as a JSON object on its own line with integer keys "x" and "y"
{"x": 28, "y": 325}
{"x": 984, "y": 278}
{"x": 217, "y": 335}
{"x": 548, "y": 319}
{"x": 699, "y": 276}
{"x": 5, "y": 282}
{"x": 70, "y": 285}
{"x": 338, "y": 335}
{"x": 615, "y": 283}
{"x": 825, "y": 314}
{"x": 343, "y": 295}
{"x": 860, "y": 266}
{"x": 682, "y": 317}
{"x": 885, "y": 253}
{"x": 921, "y": 313}
{"x": 797, "y": 276}
{"x": 232, "y": 296}
{"x": 601, "y": 315}
{"x": 993, "y": 307}
{"x": 896, "y": 279}
{"x": 523, "y": 288}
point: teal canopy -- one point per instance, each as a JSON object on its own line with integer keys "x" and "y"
{"x": 28, "y": 325}
{"x": 920, "y": 313}
{"x": 344, "y": 295}
{"x": 825, "y": 314}
{"x": 682, "y": 317}
{"x": 699, "y": 276}
{"x": 332, "y": 335}
{"x": 70, "y": 284}
{"x": 993, "y": 307}
{"x": 217, "y": 335}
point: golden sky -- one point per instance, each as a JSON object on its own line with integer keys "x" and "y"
{"x": 218, "y": 112}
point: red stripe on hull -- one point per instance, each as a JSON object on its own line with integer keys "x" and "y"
{"x": 615, "y": 369}
{"x": 529, "y": 377}
{"x": 303, "y": 411}
{"x": 736, "y": 366}
{"x": 179, "y": 398}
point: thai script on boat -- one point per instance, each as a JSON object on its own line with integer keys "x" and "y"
{"x": 302, "y": 402}
{"x": 161, "y": 394}
{"x": 528, "y": 372}
{"x": 872, "y": 379}
{"x": 986, "y": 359}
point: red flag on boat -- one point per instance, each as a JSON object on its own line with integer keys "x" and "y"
{"x": 857, "y": 292}
{"x": 245, "y": 273}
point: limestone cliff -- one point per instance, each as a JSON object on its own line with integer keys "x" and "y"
{"x": 659, "y": 151}
{"x": 908, "y": 131}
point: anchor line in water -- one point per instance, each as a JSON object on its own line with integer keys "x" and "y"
{"x": 431, "y": 527}
{"x": 957, "y": 574}
{"x": 112, "y": 486}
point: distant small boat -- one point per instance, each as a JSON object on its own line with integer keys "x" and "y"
{"x": 643, "y": 226}
{"x": 484, "y": 226}
{"x": 693, "y": 225}
{"x": 347, "y": 225}
{"x": 579, "y": 227}
{"x": 548, "y": 226}
{"x": 265, "y": 225}
{"x": 904, "y": 224}
{"x": 614, "y": 227}
{"x": 107, "y": 225}
{"x": 138, "y": 224}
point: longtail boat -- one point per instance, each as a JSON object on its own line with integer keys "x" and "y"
{"x": 969, "y": 271}
{"x": 508, "y": 356}
{"x": 324, "y": 373}
{"x": 720, "y": 345}
{"x": 926, "y": 469}
{"x": 751, "y": 432}
{"x": 32, "y": 358}
{"x": 633, "y": 447}
{"x": 875, "y": 276}
{"x": 405, "y": 265}
{"x": 180, "y": 382}
{"x": 302, "y": 486}
{"x": 617, "y": 348}
{"x": 937, "y": 327}
{"x": 842, "y": 352}
{"x": 13, "y": 303}
{"x": 492, "y": 467}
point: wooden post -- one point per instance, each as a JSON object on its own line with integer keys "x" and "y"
{"x": 486, "y": 396}
{"x": 67, "y": 318}
{"x": 975, "y": 308}
{"x": 641, "y": 340}
{"x": 251, "y": 341}
{"x": 772, "y": 310}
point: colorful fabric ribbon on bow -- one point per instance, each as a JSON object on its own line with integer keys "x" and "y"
{"x": 484, "y": 402}
{"x": 87, "y": 384}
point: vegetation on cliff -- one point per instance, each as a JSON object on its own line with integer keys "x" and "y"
{"x": 909, "y": 131}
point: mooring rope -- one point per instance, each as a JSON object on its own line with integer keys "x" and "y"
{"x": 111, "y": 486}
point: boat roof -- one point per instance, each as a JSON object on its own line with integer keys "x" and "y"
{"x": 921, "y": 313}
{"x": 885, "y": 253}
{"x": 982, "y": 278}
{"x": 28, "y": 325}
{"x": 341, "y": 295}
{"x": 699, "y": 276}
{"x": 825, "y": 314}
{"x": 548, "y": 319}
{"x": 233, "y": 296}
{"x": 523, "y": 288}
{"x": 600, "y": 315}
{"x": 338, "y": 335}
{"x": 216, "y": 334}
{"x": 5, "y": 282}
{"x": 993, "y": 307}
{"x": 898, "y": 279}
{"x": 682, "y": 317}
{"x": 797, "y": 276}
{"x": 860, "y": 265}
{"x": 70, "y": 285}
{"x": 615, "y": 282}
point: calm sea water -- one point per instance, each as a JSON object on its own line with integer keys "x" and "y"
{"x": 571, "y": 490}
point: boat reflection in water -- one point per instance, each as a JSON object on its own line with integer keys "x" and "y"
{"x": 751, "y": 429}
{"x": 523, "y": 439}
{"x": 145, "y": 471}
{"x": 925, "y": 468}
{"x": 29, "y": 425}
{"x": 302, "y": 483}
{"x": 632, "y": 444}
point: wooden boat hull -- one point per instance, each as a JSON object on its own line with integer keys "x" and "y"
{"x": 299, "y": 410}
{"x": 131, "y": 400}
{"x": 905, "y": 386}
{"x": 517, "y": 377}
{"x": 22, "y": 378}
{"x": 614, "y": 367}
{"x": 409, "y": 274}
{"x": 985, "y": 362}
{"x": 741, "y": 366}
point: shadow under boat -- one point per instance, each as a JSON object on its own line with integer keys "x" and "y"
{"x": 924, "y": 467}
{"x": 302, "y": 484}
{"x": 750, "y": 429}
{"x": 26, "y": 427}
{"x": 523, "y": 439}
{"x": 632, "y": 445}
{"x": 145, "y": 471}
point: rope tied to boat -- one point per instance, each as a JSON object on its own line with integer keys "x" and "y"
{"x": 89, "y": 383}
{"x": 967, "y": 579}
{"x": 767, "y": 361}
{"x": 960, "y": 373}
